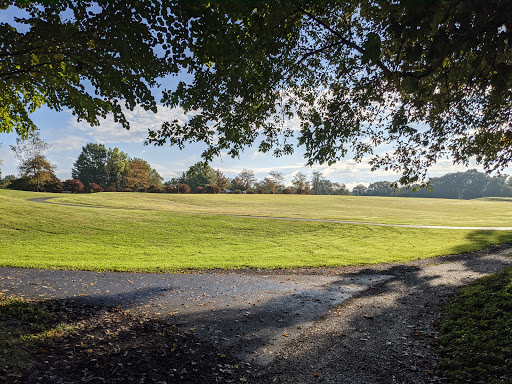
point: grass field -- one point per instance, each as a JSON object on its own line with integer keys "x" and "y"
{"x": 162, "y": 233}
{"x": 346, "y": 208}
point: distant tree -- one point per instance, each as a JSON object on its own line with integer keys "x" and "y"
{"x": 35, "y": 170}
{"x": 137, "y": 178}
{"x": 380, "y": 188}
{"x": 38, "y": 172}
{"x": 301, "y": 184}
{"x": 338, "y": 189}
{"x": 30, "y": 147}
{"x": 116, "y": 168}
{"x": 155, "y": 179}
{"x": 73, "y": 185}
{"x": 4, "y": 183}
{"x": 275, "y": 181}
{"x": 359, "y": 190}
{"x": 222, "y": 180}
{"x": 244, "y": 181}
{"x": 90, "y": 166}
{"x": 200, "y": 175}
{"x": 319, "y": 184}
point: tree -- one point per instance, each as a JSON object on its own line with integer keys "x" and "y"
{"x": 200, "y": 175}
{"x": 91, "y": 165}
{"x": 338, "y": 189}
{"x": 428, "y": 79}
{"x": 137, "y": 178}
{"x": 222, "y": 180}
{"x": 244, "y": 181}
{"x": 35, "y": 170}
{"x": 359, "y": 190}
{"x": 273, "y": 183}
{"x": 155, "y": 179}
{"x": 300, "y": 183}
{"x": 116, "y": 168}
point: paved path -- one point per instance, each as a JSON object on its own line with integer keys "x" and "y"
{"x": 46, "y": 200}
{"x": 246, "y": 314}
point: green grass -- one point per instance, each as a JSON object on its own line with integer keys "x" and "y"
{"x": 392, "y": 210}
{"x": 476, "y": 332}
{"x": 51, "y": 236}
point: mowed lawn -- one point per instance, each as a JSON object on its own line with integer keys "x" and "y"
{"x": 156, "y": 232}
{"x": 391, "y": 210}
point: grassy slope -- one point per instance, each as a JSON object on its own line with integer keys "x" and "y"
{"x": 392, "y": 210}
{"x": 476, "y": 332}
{"x": 44, "y": 235}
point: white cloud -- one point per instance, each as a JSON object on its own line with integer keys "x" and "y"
{"x": 140, "y": 121}
{"x": 68, "y": 143}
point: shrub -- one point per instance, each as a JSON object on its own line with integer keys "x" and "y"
{"x": 154, "y": 189}
{"x": 73, "y": 185}
{"x": 169, "y": 189}
{"x": 183, "y": 188}
{"x": 213, "y": 189}
{"x": 287, "y": 191}
{"x": 261, "y": 191}
{"x": 20, "y": 184}
{"x": 111, "y": 188}
{"x": 55, "y": 186}
{"x": 238, "y": 192}
{"x": 200, "y": 190}
{"x": 93, "y": 187}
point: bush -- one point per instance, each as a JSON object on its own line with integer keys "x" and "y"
{"x": 73, "y": 185}
{"x": 20, "y": 184}
{"x": 213, "y": 189}
{"x": 287, "y": 191}
{"x": 238, "y": 192}
{"x": 200, "y": 190}
{"x": 93, "y": 187}
{"x": 183, "y": 188}
{"x": 261, "y": 191}
{"x": 169, "y": 189}
{"x": 55, "y": 186}
{"x": 111, "y": 188}
{"x": 154, "y": 189}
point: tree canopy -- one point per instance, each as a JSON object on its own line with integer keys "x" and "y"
{"x": 403, "y": 83}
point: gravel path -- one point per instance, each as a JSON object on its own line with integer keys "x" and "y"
{"x": 357, "y": 325}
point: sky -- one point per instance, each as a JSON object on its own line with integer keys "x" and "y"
{"x": 67, "y": 137}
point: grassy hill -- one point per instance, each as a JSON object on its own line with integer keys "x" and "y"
{"x": 145, "y": 232}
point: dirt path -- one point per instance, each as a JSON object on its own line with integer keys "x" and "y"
{"x": 360, "y": 325}
{"x": 46, "y": 200}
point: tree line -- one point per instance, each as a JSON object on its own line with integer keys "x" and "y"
{"x": 96, "y": 169}
{"x": 99, "y": 169}
{"x": 459, "y": 185}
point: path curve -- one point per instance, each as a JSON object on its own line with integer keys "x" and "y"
{"x": 46, "y": 200}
